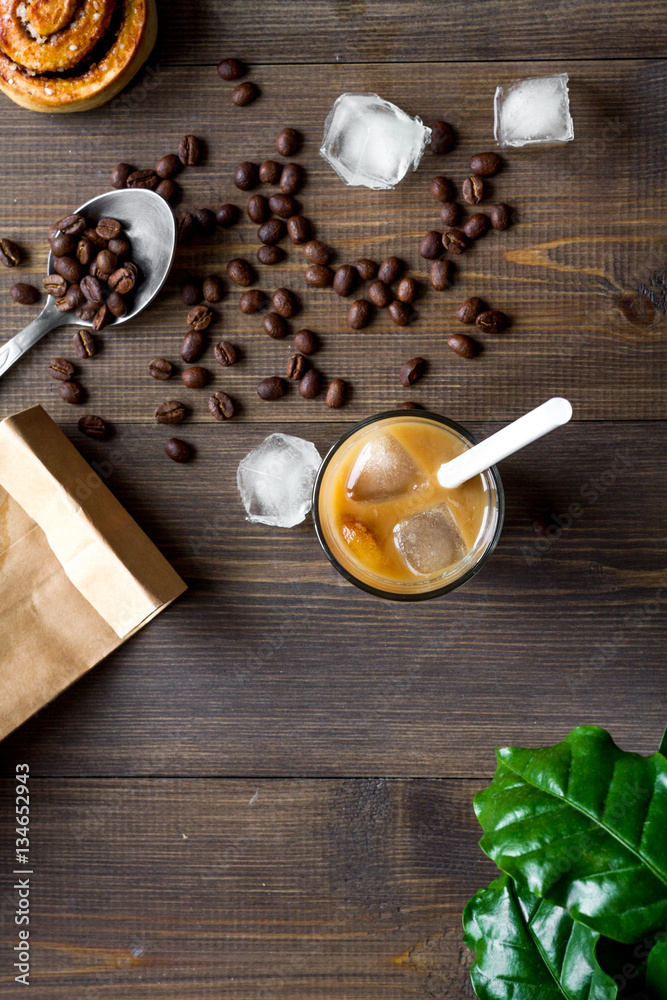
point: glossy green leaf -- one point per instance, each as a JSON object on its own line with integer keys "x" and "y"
{"x": 663, "y": 744}
{"x": 527, "y": 949}
{"x": 584, "y": 825}
{"x": 656, "y": 972}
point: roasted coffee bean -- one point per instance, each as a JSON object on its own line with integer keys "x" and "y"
{"x": 120, "y": 174}
{"x": 102, "y": 317}
{"x": 160, "y": 369}
{"x": 275, "y": 326}
{"x": 106, "y": 262}
{"x": 442, "y": 137}
{"x": 23, "y": 294}
{"x": 178, "y": 450}
{"x": 270, "y": 255}
{"x": 400, "y": 312}
{"x": 94, "y": 272}
{"x": 407, "y": 290}
{"x": 272, "y": 232}
{"x": 470, "y": 309}
{"x": 360, "y": 314}
{"x": 288, "y": 142}
{"x": 251, "y": 302}
{"x": 227, "y": 215}
{"x": 199, "y": 317}
{"x": 305, "y": 341}
{"x": 296, "y": 367}
{"x": 94, "y": 237}
{"x": 345, "y": 280}
{"x": 116, "y": 303}
{"x": 240, "y": 272}
{"x": 284, "y": 205}
{"x": 192, "y": 346}
{"x": 407, "y": 404}
{"x": 71, "y": 225}
{"x": 62, "y": 304}
{"x": 336, "y": 393}
{"x": 121, "y": 247}
{"x": 144, "y": 180}
{"x": 476, "y": 225}
{"x": 501, "y": 216}
{"x": 220, "y": 406}
{"x": 450, "y": 213}
{"x": 168, "y": 166}
{"x": 213, "y": 288}
{"x": 109, "y": 229}
{"x": 431, "y": 245}
{"x": 70, "y": 392}
{"x": 455, "y": 241}
{"x": 257, "y": 208}
{"x": 87, "y": 311}
{"x": 310, "y": 385}
{"x": 271, "y": 388}
{"x": 92, "y": 289}
{"x": 366, "y": 268}
{"x": 62, "y": 245}
{"x": 195, "y": 378}
{"x": 246, "y": 176}
{"x": 54, "y": 285}
{"x": 442, "y": 189}
{"x": 10, "y": 253}
{"x": 412, "y": 371}
{"x": 68, "y": 268}
{"x": 231, "y": 69}
{"x": 492, "y": 321}
{"x": 244, "y": 93}
{"x": 169, "y": 190}
{"x": 191, "y": 292}
{"x": 390, "y": 269}
{"x": 84, "y": 343}
{"x": 170, "y": 412}
{"x": 379, "y": 294}
{"x": 318, "y": 276}
{"x": 189, "y": 152}
{"x": 205, "y": 220}
{"x": 74, "y": 297}
{"x": 298, "y": 229}
{"x": 93, "y": 427}
{"x": 186, "y": 228}
{"x": 485, "y": 164}
{"x": 61, "y": 369}
{"x": 472, "y": 190}
{"x": 225, "y": 353}
{"x": 441, "y": 274}
{"x": 124, "y": 279}
{"x": 269, "y": 172}
{"x": 462, "y": 345}
{"x": 316, "y": 252}
{"x": 86, "y": 252}
{"x": 291, "y": 178}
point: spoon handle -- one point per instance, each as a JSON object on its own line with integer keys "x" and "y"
{"x": 23, "y": 341}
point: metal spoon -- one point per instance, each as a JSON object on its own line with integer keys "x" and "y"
{"x": 151, "y": 229}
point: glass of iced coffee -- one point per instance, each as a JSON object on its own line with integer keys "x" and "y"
{"x": 385, "y": 522}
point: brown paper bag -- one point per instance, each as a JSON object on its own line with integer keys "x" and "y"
{"x": 77, "y": 574}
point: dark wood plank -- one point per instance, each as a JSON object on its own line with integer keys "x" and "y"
{"x": 589, "y": 237}
{"x": 273, "y": 665}
{"x": 247, "y": 889}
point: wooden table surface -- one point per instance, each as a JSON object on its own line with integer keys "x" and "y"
{"x": 267, "y": 792}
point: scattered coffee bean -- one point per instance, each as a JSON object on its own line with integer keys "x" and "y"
{"x": 336, "y": 393}
{"x": 442, "y": 137}
{"x": 55, "y": 285}
{"x": 285, "y": 303}
{"x": 178, "y": 450}
{"x": 168, "y": 166}
{"x": 213, "y": 289}
{"x": 116, "y": 303}
{"x": 227, "y": 215}
{"x": 71, "y": 225}
{"x": 102, "y": 317}
{"x": 476, "y": 225}
{"x": 407, "y": 405}
{"x": 124, "y": 279}
{"x": 379, "y": 294}
{"x": 244, "y": 93}
{"x": 240, "y": 272}
{"x": 169, "y": 190}
{"x": 23, "y": 294}
{"x": 318, "y": 276}
{"x": 220, "y": 406}
{"x": 189, "y": 151}
{"x": 186, "y": 228}
{"x": 61, "y": 370}
{"x": 390, "y": 270}
{"x": 442, "y": 189}
{"x": 270, "y": 255}
{"x": 455, "y": 241}
{"x": 272, "y": 232}
{"x": 298, "y": 229}
{"x": 485, "y": 164}
{"x": 501, "y": 216}
{"x": 191, "y": 292}
{"x": 195, "y": 378}
{"x": 275, "y": 326}
{"x": 192, "y": 346}
{"x": 450, "y": 213}
{"x": 170, "y": 412}
{"x": 246, "y": 176}
{"x": 310, "y": 384}
{"x": 407, "y": 290}
{"x": 257, "y": 208}
{"x": 462, "y": 345}
{"x": 120, "y": 174}
{"x": 225, "y": 353}
{"x": 360, "y": 314}
{"x": 87, "y": 311}
{"x": 231, "y": 69}
{"x": 70, "y": 392}
{"x": 10, "y": 253}
{"x": 412, "y": 371}
{"x": 62, "y": 245}
{"x": 199, "y": 317}
{"x": 92, "y": 289}
{"x": 470, "y": 309}
{"x": 345, "y": 280}
{"x": 400, "y": 312}
{"x": 473, "y": 190}
{"x": 305, "y": 341}
{"x": 205, "y": 220}
{"x": 143, "y": 180}
{"x": 366, "y": 268}
{"x": 441, "y": 274}
{"x": 296, "y": 367}
{"x": 269, "y": 172}
{"x": 316, "y": 252}
{"x": 69, "y": 268}
{"x": 288, "y": 142}
{"x": 271, "y": 388}
{"x": 160, "y": 369}
{"x": 491, "y": 321}
{"x": 431, "y": 245}
{"x": 93, "y": 427}
{"x": 108, "y": 229}
{"x": 291, "y": 178}
{"x": 252, "y": 301}
{"x": 284, "y": 205}
{"x": 84, "y": 343}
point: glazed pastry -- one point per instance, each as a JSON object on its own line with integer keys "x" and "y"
{"x": 72, "y": 55}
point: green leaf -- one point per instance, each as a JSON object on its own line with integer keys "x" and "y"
{"x": 584, "y": 825}
{"x": 656, "y": 972}
{"x": 663, "y": 744}
{"x": 528, "y": 949}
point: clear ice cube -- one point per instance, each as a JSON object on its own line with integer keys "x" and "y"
{"x": 430, "y": 541}
{"x": 276, "y": 479}
{"x": 533, "y": 111}
{"x": 372, "y": 142}
{"x": 382, "y": 469}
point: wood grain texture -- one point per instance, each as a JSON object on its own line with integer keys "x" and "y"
{"x": 273, "y": 665}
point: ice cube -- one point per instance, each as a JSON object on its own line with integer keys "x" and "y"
{"x": 382, "y": 469}
{"x": 532, "y": 111}
{"x": 276, "y": 479}
{"x": 372, "y": 142}
{"x": 430, "y": 541}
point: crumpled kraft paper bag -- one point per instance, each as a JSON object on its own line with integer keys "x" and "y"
{"x": 78, "y": 576}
